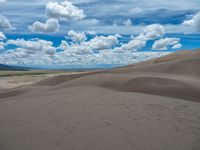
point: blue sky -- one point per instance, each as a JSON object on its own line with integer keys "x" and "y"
{"x": 95, "y": 32}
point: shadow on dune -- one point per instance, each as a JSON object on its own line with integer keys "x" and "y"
{"x": 162, "y": 87}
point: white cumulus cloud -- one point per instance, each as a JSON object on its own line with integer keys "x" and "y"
{"x": 2, "y": 46}
{"x": 4, "y": 23}
{"x": 64, "y": 45}
{"x": 2, "y": 36}
{"x": 128, "y": 22}
{"x": 194, "y": 22}
{"x": 177, "y": 46}
{"x": 77, "y": 37}
{"x": 98, "y": 43}
{"x": 51, "y": 25}
{"x": 163, "y": 44}
{"x": 83, "y": 51}
{"x": 133, "y": 45}
{"x": 102, "y": 42}
{"x": 64, "y": 11}
{"x": 150, "y": 32}
{"x": 33, "y": 46}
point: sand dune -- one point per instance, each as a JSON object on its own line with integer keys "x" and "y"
{"x": 176, "y": 75}
{"x": 146, "y": 106}
{"x": 181, "y": 63}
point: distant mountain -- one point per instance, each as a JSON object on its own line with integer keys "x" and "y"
{"x": 12, "y": 68}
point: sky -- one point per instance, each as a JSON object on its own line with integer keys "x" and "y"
{"x": 95, "y": 33}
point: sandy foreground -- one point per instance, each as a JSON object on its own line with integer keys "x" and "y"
{"x": 153, "y": 105}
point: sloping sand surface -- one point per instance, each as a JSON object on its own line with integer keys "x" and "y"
{"x": 153, "y": 105}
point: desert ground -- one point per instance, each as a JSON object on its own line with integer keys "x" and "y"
{"x": 152, "y": 105}
{"x": 13, "y": 79}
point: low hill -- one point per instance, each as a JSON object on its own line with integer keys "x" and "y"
{"x": 12, "y": 68}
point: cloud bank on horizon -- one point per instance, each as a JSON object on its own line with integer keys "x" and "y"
{"x": 93, "y": 30}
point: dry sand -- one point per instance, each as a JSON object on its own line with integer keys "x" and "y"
{"x": 13, "y": 80}
{"x": 153, "y": 105}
